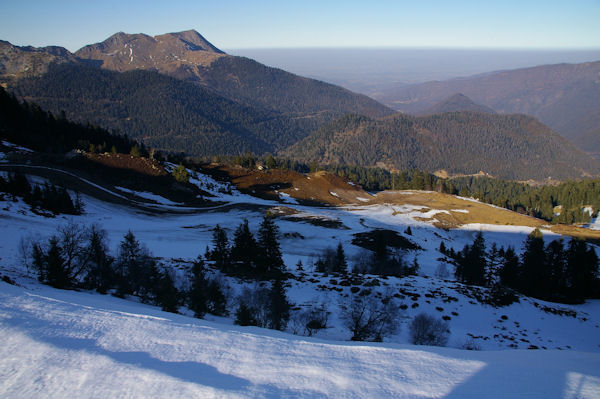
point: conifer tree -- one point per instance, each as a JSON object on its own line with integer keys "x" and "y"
{"x": 55, "y": 265}
{"x": 100, "y": 275}
{"x": 582, "y": 269}
{"x": 509, "y": 272}
{"x": 472, "y": 263}
{"x": 197, "y": 301}
{"x": 270, "y": 260}
{"x": 341, "y": 266}
{"x": 215, "y": 298}
{"x": 554, "y": 277}
{"x": 220, "y": 252}
{"x": 278, "y": 312}
{"x": 245, "y": 316}
{"x": 533, "y": 264}
{"x": 243, "y": 252}
{"x": 133, "y": 267}
{"x": 165, "y": 293}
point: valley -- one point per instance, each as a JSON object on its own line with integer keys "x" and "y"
{"x": 178, "y": 221}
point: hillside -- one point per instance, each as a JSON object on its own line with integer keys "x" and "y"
{"x": 456, "y": 103}
{"x": 83, "y": 340}
{"x": 566, "y": 97}
{"x": 188, "y": 56}
{"x": 163, "y": 112}
{"x": 20, "y": 62}
{"x": 507, "y": 146}
{"x": 177, "y": 92}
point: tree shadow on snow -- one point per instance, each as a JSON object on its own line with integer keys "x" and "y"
{"x": 530, "y": 375}
{"x": 187, "y": 371}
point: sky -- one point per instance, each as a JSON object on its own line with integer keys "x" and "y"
{"x": 237, "y": 24}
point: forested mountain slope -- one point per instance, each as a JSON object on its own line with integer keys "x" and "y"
{"x": 506, "y": 146}
{"x": 566, "y": 97}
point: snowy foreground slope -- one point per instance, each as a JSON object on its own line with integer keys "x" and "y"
{"x": 60, "y": 344}
{"x": 75, "y": 344}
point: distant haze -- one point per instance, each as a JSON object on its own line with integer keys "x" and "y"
{"x": 366, "y": 69}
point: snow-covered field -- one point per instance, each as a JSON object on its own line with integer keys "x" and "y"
{"x": 59, "y": 343}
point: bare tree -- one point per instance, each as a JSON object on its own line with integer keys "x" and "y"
{"x": 428, "y": 330}
{"x": 370, "y": 318}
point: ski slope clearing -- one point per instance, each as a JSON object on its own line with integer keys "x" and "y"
{"x": 60, "y": 344}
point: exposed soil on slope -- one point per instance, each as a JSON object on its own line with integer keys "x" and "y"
{"x": 320, "y": 188}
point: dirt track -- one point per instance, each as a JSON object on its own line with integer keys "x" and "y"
{"x": 76, "y": 183}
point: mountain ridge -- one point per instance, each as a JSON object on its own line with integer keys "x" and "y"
{"x": 516, "y": 147}
{"x": 456, "y": 103}
{"x": 566, "y": 97}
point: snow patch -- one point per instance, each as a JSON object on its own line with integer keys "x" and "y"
{"x": 150, "y": 196}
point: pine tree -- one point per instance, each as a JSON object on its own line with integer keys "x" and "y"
{"x": 100, "y": 274}
{"x": 133, "y": 267}
{"x": 244, "y": 316}
{"x": 215, "y": 298}
{"x": 278, "y": 312}
{"x": 554, "y": 277}
{"x": 165, "y": 293}
{"x": 582, "y": 269}
{"x": 442, "y": 248}
{"x": 269, "y": 260}
{"x": 494, "y": 264}
{"x": 510, "y": 270}
{"x": 472, "y": 263}
{"x": 55, "y": 266}
{"x": 220, "y": 252}
{"x": 533, "y": 264}
{"x": 243, "y": 252}
{"x": 341, "y": 266}
{"x": 197, "y": 300}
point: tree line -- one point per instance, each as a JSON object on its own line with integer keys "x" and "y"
{"x": 41, "y": 196}
{"x": 555, "y": 272}
{"x": 29, "y": 125}
{"x": 78, "y": 257}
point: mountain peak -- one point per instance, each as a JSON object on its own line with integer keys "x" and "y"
{"x": 171, "y": 52}
{"x": 193, "y": 39}
{"x": 18, "y": 62}
{"x": 458, "y": 102}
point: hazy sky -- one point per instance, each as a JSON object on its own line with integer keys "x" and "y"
{"x": 566, "y": 24}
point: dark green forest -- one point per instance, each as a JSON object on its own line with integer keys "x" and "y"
{"x": 513, "y": 147}
{"x": 29, "y": 125}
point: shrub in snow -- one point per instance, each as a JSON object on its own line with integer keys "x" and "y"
{"x": 428, "y": 330}
{"x": 332, "y": 261}
{"x": 471, "y": 345}
{"x": 441, "y": 271}
{"x": 264, "y": 307}
{"x": 500, "y": 295}
{"x": 369, "y": 318}
{"x": 310, "y": 321}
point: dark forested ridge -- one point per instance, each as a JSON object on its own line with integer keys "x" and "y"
{"x": 212, "y": 103}
{"x": 237, "y": 78}
{"x": 177, "y": 92}
{"x": 565, "y": 97}
{"x": 455, "y": 103}
{"x": 35, "y": 128}
{"x": 163, "y": 112}
{"x": 507, "y": 146}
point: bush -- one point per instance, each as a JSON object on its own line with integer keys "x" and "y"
{"x": 500, "y": 296}
{"x": 264, "y": 307}
{"x": 427, "y": 330}
{"x": 369, "y": 318}
{"x": 311, "y": 320}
